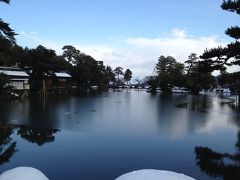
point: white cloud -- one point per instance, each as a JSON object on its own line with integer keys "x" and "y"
{"x": 140, "y": 54}
{"x": 178, "y": 44}
{"x": 179, "y": 33}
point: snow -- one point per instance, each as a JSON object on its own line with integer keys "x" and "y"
{"x": 151, "y": 174}
{"x": 23, "y": 173}
{"x": 65, "y": 75}
{"x": 14, "y": 73}
{"x": 18, "y": 79}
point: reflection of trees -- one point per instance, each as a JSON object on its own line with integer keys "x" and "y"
{"x": 196, "y": 103}
{"x": 235, "y": 106}
{"x": 39, "y": 136}
{"x": 7, "y": 145}
{"x": 200, "y": 104}
{"x": 216, "y": 164}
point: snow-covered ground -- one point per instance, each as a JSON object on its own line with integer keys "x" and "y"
{"x": 151, "y": 174}
{"x": 28, "y": 173}
{"x": 23, "y": 173}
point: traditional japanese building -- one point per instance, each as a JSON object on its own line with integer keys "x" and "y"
{"x": 18, "y": 79}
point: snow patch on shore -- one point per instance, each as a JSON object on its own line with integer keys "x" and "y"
{"x": 23, "y": 173}
{"x": 151, "y": 174}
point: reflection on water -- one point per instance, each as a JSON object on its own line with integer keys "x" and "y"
{"x": 215, "y": 164}
{"x": 118, "y": 132}
{"x": 221, "y": 164}
{"x": 111, "y": 112}
{"x": 39, "y": 136}
{"x": 7, "y": 145}
{"x": 197, "y": 103}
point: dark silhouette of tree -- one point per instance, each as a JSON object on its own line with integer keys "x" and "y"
{"x": 70, "y": 53}
{"x": 87, "y": 71}
{"x": 3, "y": 81}
{"x": 220, "y": 57}
{"x": 229, "y": 79}
{"x": 170, "y": 73}
{"x": 5, "y": 29}
{"x": 191, "y": 63}
{"x": 118, "y": 71}
{"x": 7, "y": 145}
{"x": 41, "y": 63}
{"x": 153, "y": 83}
{"x": 100, "y": 75}
{"x": 6, "y": 58}
{"x": 6, "y": 1}
{"x": 128, "y": 75}
{"x": 195, "y": 78}
{"x": 40, "y": 136}
{"x": 109, "y": 75}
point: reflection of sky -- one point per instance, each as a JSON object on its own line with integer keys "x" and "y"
{"x": 15, "y": 112}
{"x": 119, "y": 132}
{"x": 134, "y": 113}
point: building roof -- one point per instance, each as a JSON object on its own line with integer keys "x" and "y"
{"x": 10, "y": 68}
{"x": 14, "y": 73}
{"x": 63, "y": 75}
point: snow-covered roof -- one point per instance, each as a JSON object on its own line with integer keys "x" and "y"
{"x": 64, "y": 75}
{"x": 14, "y": 73}
{"x": 19, "y": 79}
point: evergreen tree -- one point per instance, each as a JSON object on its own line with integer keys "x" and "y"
{"x": 170, "y": 73}
{"x": 5, "y": 30}
{"x": 196, "y": 79}
{"x": 109, "y": 75}
{"x": 3, "y": 80}
{"x": 128, "y": 75}
{"x": 118, "y": 71}
{"x": 221, "y": 57}
{"x": 191, "y": 63}
{"x": 70, "y": 53}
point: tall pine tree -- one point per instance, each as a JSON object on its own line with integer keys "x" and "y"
{"x": 221, "y": 57}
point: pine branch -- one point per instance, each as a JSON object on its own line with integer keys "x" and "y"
{"x": 6, "y": 1}
{"x": 231, "y": 5}
{"x": 5, "y": 30}
{"x": 233, "y": 32}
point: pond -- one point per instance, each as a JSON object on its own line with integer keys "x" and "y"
{"x": 104, "y": 135}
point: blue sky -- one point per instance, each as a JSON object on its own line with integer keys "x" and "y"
{"x": 130, "y": 33}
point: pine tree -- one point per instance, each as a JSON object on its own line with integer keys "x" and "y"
{"x": 221, "y": 57}
{"x": 5, "y": 29}
{"x": 128, "y": 75}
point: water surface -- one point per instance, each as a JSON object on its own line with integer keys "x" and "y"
{"x": 102, "y": 136}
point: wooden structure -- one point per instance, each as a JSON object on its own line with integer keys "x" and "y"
{"x": 57, "y": 84}
{"x": 18, "y": 79}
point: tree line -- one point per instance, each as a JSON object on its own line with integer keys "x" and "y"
{"x": 171, "y": 73}
{"x": 196, "y": 73}
{"x": 41, "y": 63}
{"x": 193, "y": 75}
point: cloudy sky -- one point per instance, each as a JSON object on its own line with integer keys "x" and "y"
{"x": 127, "y": 33}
